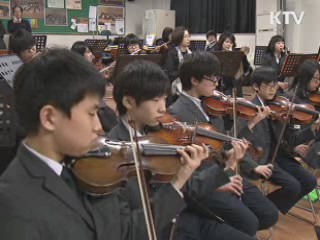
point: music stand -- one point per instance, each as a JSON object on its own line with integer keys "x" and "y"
{"x": 97, "y": 45}
{"x": 9, "y": 64}
{"x": 258, "y": 54}
{"x": 197, "y": 45}
{"x": 229, "y": 62}
{"x": 124, "y": 60}
{"x": 41, "y": 41}
{"x": 293, "y": 61}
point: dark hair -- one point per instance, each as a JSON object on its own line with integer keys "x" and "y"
{"x": 264, "y": 75}
{"x": 141, "y": 80}
{"x": 222, "y": 38}
{"x": 131, "y": 39}
{"x": 20, "y": 41}
{"x": 177, "y": 35}
{"x": 57, "y": 77}
{"x": 17, "y": 6}
{"x": 272, "y": 43}
{"x": 165, "y": 34}
{"x": 198, "y": 64}
{"x": 80, "y": 47}
{"x": 211, "y": 33}
{"x": 305, "y": 74}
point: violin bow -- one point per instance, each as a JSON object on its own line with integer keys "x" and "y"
{"x": 142, "y": 183}
{"x": 284, "y": 125}
{"x": 234, "y": 113}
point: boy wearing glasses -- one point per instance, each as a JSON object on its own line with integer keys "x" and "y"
{"x": 294, "y": 180}
{"x": 199, "y": 78}
{"x": 132, "y": 45}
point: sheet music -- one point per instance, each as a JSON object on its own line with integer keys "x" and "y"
{"x": 9, "y": 64}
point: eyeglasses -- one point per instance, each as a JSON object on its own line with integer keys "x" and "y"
{"x": 213, "y": 79}
{"x": 269, "y": 86}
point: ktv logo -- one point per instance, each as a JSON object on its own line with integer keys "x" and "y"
{"x": 274, "y": 17}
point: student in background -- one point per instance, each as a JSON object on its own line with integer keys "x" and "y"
{"x": 274, "y": 57}
{"x": 295, "y": 181}
{"x": 22, "y": 43}
{"x": 166, "y": 36}
{"x": 307, "y": 81}
{"x": 174, "y": 58}
{"x": 199, "y": 76}
{"x": 106, "y": 114}
{"x": 82, "y": 48}
{"x": 211, "y": 40}
{"x": 181, "y": 42}
{"x": 18, "y": 22}
{"x": 132, "y": 45}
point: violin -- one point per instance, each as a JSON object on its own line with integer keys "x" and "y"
{"x": 301, "y": 113}
{"x": 102, "y": 171}
{"x": 177, "y": 133}
{"x": 315, "y": 99}
{"x": 220, "y": 105}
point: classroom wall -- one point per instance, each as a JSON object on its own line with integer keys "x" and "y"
{"x": 134, "y": 18}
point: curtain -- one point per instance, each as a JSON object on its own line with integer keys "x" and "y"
{"x": 199, "y": 16}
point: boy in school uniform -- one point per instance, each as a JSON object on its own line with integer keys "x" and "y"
{"x": 57, "y": 97}
{"x": 23, "y": 44}
{"x": 286, "y": 172}
{"x": 140, "y": 93}
{"x": 199, "y": 76}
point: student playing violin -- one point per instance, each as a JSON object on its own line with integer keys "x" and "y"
{"x": 294, "y": 180}
{"x": 57, "y": 97}
{"x": 106, "y": 114}
{"x": 308, "y": 78}
{"x": 140, "y": 93}
{"x": 307, "y": 83}
{"x": 199, "y": 76}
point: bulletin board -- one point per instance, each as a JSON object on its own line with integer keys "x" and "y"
{"x": 80, "y": 15}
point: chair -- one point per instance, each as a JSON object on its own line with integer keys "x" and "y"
{"x": 311, "y": 209}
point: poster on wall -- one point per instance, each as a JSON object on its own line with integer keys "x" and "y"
{"x": 55, "y": 3}
{"x": 74, "y": 4}
{"x": 83, "y": 25}
{"x": 31, "y": 8}
{"x": 112, "y": 2}
{"x": 111, "y": 18}
{"x": 55, "y": 17}
{"x": 4, "y": 10}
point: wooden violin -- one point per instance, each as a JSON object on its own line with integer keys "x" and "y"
{"x": 315, "y": 98}
{"x": 301, "y": 113}
{"x": 108, "y": 168}
{"x": 219, "y": 105}
{"x": 177, "y": 133}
